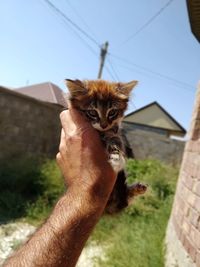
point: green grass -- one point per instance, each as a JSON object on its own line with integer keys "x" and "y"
{"x": 29, "y": 188}
{"x": 135, "y": 237}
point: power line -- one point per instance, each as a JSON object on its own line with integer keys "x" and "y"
{"x": 75, "y": 32}
{"x": 130, "y": 63}
{"x": 146, "y": 74}
{"x": 146, "y": 24}
{"x": 66, "y": 20}
{"x": 58, "y": 11}
{"x": 80, "y": 17}
{"x": 110, "y": 73}
{"x": 73, "y": 25}
{"x": 131, "y": 68}
{"x": 113, "y": 69}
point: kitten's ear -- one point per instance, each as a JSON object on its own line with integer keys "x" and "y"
{"x": 76, "y": 87}
{"x": 125, "y": 88}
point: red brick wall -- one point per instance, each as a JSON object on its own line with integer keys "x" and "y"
{"x": 186, "y": 209}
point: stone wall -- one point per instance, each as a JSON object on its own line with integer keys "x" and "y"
{"x": 32, "y": 127}
{"x": 27, "y": 126}
{"x": 154, "y": 144}
{"x": 183, "y": 233}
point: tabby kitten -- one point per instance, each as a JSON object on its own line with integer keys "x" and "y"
{"x": 104, "y": 103}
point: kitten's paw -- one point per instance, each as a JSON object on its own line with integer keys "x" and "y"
{"x": 137, "y": 189}
{"x": 117, "y": 161}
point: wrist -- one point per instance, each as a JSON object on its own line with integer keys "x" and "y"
{"x": 76, "y": 206}
{"x": 92, "y": 192}
{"x": 96, "y": 184}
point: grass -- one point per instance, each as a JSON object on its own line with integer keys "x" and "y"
{"x": 134, "y": 238}
{"x": 29, "y": 188}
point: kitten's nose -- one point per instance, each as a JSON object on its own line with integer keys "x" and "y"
{"x": 103, "y": 125}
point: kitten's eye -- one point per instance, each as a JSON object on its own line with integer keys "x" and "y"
{"x": 113, "y": 113}
{"x": 92, "y": 113}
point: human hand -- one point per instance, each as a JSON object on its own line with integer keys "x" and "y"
{"x": 89, "y": 179}
{"x": 82, "y": 158}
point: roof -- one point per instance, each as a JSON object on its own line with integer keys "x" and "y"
{"x": 154, "y": 115}
{"x": 193, "y": 7}
{"x": 9, "y": 91}
{"x": 47, "y": 92}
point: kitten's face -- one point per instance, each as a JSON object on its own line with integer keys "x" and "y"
{"x": 103, "y": 103}
{"x": 104, "y": 114}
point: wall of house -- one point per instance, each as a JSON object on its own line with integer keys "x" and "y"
{"x": 153, "y": 143}
{"x": 183, "y": 233}
{"x": 153, "y": 116}
{"x": 27, "y": 126}
{"x": 130, "y": 127}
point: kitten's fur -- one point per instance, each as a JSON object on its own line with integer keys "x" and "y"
{"x": 104, "y": 103}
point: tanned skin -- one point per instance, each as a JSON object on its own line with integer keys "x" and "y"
{"x": 89, "y": 179}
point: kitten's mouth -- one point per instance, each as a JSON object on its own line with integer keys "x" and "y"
{"x": 99, "y": 128}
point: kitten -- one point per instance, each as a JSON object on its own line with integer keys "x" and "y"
{"x": 104, "y": 103}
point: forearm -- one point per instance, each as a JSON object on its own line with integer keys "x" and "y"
{"x": 60, "y": 240}
{"x": 90, "y": 180}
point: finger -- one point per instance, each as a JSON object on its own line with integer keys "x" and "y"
{"x": 63, "y": 145}
{"x": 59, "y": 159}
{"x": 78, "y": 118}
{"x": 62, "y": 136}
{"x": 67, "y": 124}
{"x": 73, "y": 122}
{"x": 60, "y": 162}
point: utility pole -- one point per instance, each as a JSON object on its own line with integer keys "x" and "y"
{"x": 103, "y": 53}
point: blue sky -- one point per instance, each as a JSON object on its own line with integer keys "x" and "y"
{"x": 37, "y": 46}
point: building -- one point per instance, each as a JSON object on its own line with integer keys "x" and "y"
{"x": 148, "y": 131}
{"x": 183, "y": 232}
{"x": 155, "y": 119}
{"x": 182, "y": 241}
{"x": 193, "y": 7}
{"x": 47, "y": 92}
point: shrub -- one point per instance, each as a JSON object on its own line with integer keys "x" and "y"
{"x": 28, "y": 186}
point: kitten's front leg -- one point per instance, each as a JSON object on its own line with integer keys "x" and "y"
{"x": 117, "y": 161}
{"x": 136, "y": 189}
{"x": 114, "y": 147}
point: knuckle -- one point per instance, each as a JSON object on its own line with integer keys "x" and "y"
{"x": 63, "y": 114}
{"x": 58, "y": 157}
{"x": 62, "y": 148}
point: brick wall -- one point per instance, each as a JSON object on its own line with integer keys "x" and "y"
{"x": 183, "y": 234}
{"x": 27, "y": 126}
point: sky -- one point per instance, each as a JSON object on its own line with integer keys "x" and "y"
{"x": 38, "y": 45}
